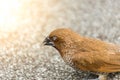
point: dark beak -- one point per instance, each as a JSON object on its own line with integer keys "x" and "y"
{"x": 47, "y": 41}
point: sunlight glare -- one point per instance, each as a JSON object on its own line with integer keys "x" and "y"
{"x": 9, "y": 10}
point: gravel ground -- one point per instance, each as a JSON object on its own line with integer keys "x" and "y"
{"x": 22, "y": 55}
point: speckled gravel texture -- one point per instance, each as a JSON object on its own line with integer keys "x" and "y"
{"x": 22, "y": 55}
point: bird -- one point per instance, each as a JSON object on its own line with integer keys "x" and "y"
{"x": 85, "y": 53}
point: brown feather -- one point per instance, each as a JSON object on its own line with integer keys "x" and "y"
{"x": 88, "y": 54}
{"x": 85, "y": 53}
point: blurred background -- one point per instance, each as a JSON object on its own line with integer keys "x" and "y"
{"x": 25, "y": 23}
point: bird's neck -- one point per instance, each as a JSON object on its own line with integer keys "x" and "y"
{"x": 67, "y": 49}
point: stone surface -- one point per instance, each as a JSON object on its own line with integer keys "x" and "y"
{"x": 22, "y": 55}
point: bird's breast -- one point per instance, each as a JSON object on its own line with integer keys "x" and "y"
{"x": 68, "y": 59}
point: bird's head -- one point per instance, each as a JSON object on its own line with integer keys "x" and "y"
{"x": 61, "y": 38}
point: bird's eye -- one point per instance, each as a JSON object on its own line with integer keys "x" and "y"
{"x": 54, "y": 38}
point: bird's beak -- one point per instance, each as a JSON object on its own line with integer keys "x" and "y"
{"x": 48, "y": 42}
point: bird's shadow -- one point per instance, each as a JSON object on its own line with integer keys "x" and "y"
{"x": 90, "y": 76}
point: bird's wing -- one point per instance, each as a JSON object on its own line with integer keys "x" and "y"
{"x": 97, "y": 62}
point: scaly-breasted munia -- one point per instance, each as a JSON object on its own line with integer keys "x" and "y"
{"x": 86, "y": 54}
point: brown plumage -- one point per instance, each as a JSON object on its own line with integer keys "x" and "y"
{"x": 86, "y": 54}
